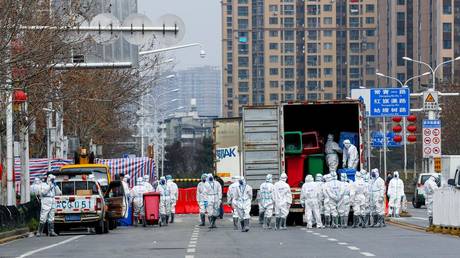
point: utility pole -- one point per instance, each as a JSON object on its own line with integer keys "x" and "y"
{"x": 24, "y": 149}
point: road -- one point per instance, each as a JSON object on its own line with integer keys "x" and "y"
{"x": 418, "y": 216}
{"x": 185, "y": 239}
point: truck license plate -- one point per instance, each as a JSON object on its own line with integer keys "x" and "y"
{"x": 72, "y": 217}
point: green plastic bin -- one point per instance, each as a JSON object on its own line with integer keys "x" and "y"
{"x": 315, "y": 164}
{"x": 293, "y": 142}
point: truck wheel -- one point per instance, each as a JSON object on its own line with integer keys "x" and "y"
{"x": 298, "y": 219}
{"x": 290, "y": 220}
{"x": 99, "y": 227}
{"x": 106, "y": 226}
{"x": 112, "y": 224}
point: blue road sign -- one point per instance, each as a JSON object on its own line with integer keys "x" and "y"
{"x": 389, "y": 102}
{"x": 377, "y": 140}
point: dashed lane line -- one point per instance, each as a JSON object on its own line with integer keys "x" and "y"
{"x": 354, "y": 248}
{"x": 332, "y": 239}
{"x": 49, "y": 246}
{"x": 367, "y": 254}
{"x": 189, "y": 256}
{"x": 191, "y": 250}
{"x": 342, "y": 243}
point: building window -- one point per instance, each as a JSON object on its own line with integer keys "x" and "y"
{"x": 370, "y": 33}
{"x": 242, "y": 1}
{"x": 447, "y": 35}
{"x": 312, "y": 96}
{"x": 243, "y": 74}
{"x": 273, "y": 71}
{"x": 312, "y": 60}
{"x": 312, "y": 22}
{"x": 312, "y": 73}
{"x": 273, "y": 84}
{"x": 370, "y": 8}
{"x": 289, "y": 85}
{"x": 328, "y": 45}
{"x": 354, "y": 34}
{"x": 370, "y": 45}
{"x": 312, "y": 85}
{"x": 447, "y": 6}
{"x": 327, "y": 8}
{"x": 354, "y": 22}
{"x": 289, "y": 96}
{"x": 328, "y": 72}
{"x": 243, "y": 99}
{"x": 273, "y": 97}
{"x": 354, "y": 60}
{"x": 354, "y": 47}
{"x": 243, "y": 87}
{"x": 288, "y": 9}
{"x": 400, "y": 53}
{"x": 273, "y": 33}
{"x": 273, "y": 46}
{"x": 273, "y": 20}
{"x": 370, "y": 20}
{"x": 313, "y": 9}
{"x": 400, "y": 23}
{"x": 274, "y": 59}
{"x": 327, "y": 33}
{"x": 288, "y": 35}
{"x": 229, "y": 9}
{"x": 370, "y": 70}
{"x": 354, "y": 73}
{"x": 273, "y": 8}
{"x": 370, "y": 59}
{"x": 289, "y": 73}
{"x": 370, "y": 83}
{"x": 229, "y": 93}
{"x": 328, "y": 96}
{"x": 288, "y": 47}
{"x": 243, "y": 49}
{"x": 289, "y": 60}
{"x": 327, "y": 20}
{"x": 328, "y": 58}
{"x": 401, "y": 2}
{"x": 312, "y": 35}
{"x": 243, "y": 61}
{"x": 243, "y": 11}
{"x": 243, "y": 24}
{"x": 327, "y": 84}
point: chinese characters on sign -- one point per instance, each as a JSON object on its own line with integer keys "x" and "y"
{"x": 389, "y": 102}
{"x": 430, "y": 100}
{"x": 431, "y": 138}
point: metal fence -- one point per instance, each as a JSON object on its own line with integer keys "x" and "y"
{"x": 23, "y": 215}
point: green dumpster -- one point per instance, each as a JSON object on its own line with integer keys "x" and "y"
{"x": 293, "y": 142}
{"x": 315, "y": 164}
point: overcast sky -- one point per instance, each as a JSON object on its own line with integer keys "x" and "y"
{"x": 203, "y": 25}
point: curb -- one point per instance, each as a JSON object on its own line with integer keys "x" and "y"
{"x": 14, "y": 234}
{"x": 419, "y": 228}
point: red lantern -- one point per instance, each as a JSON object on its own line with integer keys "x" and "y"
{"x": 397, "y": 138}
{"x": 412, "y": 138}
{"x": 397, "y": 119}
{"x": 412, "y": 118}
{"x": 397, "y": 128}
{"x": 19, "y": 96}
{"x": 411, "y": 128}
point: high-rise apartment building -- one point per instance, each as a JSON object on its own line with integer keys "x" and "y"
{"x": 422, "y": 30}
{"x": 282, "y": 50}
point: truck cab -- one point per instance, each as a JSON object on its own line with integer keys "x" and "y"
{"x": 101, "y": 172}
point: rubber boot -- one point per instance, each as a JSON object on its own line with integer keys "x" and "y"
{"x": 375, "y": 220}
{"x": 214, "y": 218}
{"x": 363, "y": 221}
{"x": 355, "y": 221}
{"x": 51, "y": 232}
{"x": 382, "y": 220}
{"x": 41, "y": 226}
{"x": 261, "y": 217}
{"x": 235, "y": 223}
{"x": 430, "y": 221}
{"x": 344, "y": 221}
{"x": 210, "y": 218}
{"x": 283, "y": 224}
{"x": 367, "y": 220}
{"x": 327, "y": 221}
{"x": 166, "y": 220}
{"x": 335, "y": 222}
{"x": 242, "y": 225}
{"x": 246, "y": 225}
{"x": 202, "y": 219}
{"x": 172, "y": 218}
{"x": 277, "y": 223}
{"x": 269, "y": 223}
{"x": 264, "y": 225}
{"x": 323, "y": 220}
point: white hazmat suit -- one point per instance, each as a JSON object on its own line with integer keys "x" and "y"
{"x": 147, "y": 185}
{"x": 332, "y": 149}
{"x": 360, "y": 193}
{"x": 266, "y": 201}
{"x": 174, "y": 195}
{"x": 377, "y": 193}
{"x": 165, "y": 200}
{"x": 137, "y": 196}
{"x": 232, "y": 201}
{"x": 395, "y": 192}
{"x": 344, "y": 204}
{"x": 350, "y": 155}
{"x": 334, "y": 192}
{"x": 243, "y": 197}
{"x": 35, "y": 187}
{"x": 309, "y": 200}
{"x": 430, "y": 187}
{"x": 48, "y": 205}
{"x": 202, "y": 198}
{"x": 213, "y": 192}
{"x": 283, "y": 200}
{"x": 320, "y": 183}
{"x": 127, "y": 194}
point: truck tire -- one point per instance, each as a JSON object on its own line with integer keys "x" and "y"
{"x": 99, "y": 227}
{"x": 112, "y": 224}
{"x": 290, "y": 219}
{"x": 106, "y": 226}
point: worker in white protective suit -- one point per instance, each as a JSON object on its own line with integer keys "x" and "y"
{"x": 326, "y": 203}
{"x": 266, "y": 201}
{"x": 137, "y": 196}
{"x": 283, "y": 200}
{"x": 395, "y": 192}
{"x": 334, "y": 191}
{"x": 232, "y": 201}
{"x": 350, "y": 155}
{"x": 344, "y": 204}
{"x": 174, "y": 195}
{"x": 431, "y": 185}
{"x": 127, "y": 195}
{"x": 320, "y": 183}
{"x": 377, "y": 193}
{"x": 148, "y": 186}
{"x": 213, "y": 192}
{"x": 332, "y": 149}
{"x": 309, "y": 200}
{"x": 35, "y": 187}
{"x": 360, "y": 189}
{"x": 243, "y": 197}
{"x": 202, "y": 199}
{"x": 367, "y": 206}
{"x": 165, "y": 200}
{"x": 48, "y": 205}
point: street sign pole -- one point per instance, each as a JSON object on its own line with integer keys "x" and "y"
{"x": 384, "y": 147}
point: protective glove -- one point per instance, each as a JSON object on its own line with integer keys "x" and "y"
{"x": 205, "y": 204}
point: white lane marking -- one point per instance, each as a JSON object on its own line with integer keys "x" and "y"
{"x": 302, "y": 228}
{"x": 323, "y": 236}
{"x": 309, "y": 231}
{"x": 342, "y": 243}
{"x": 192, "y": 242}
{"x": 189, "y": 256}
{"x": 332, "y": 239}
{"x": 367, "y": 254}
{"x": 354, "y": 248}
{"x": 195, "y": 235}
{"x": 191, "y": 246}
{"x": 191, "y": 250}
{"x": 316, "y": 233}
{"x": 50, "y": 246}
{"x": 194, "y": 239}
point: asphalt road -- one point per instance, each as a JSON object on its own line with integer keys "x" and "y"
{"x": 185, "y": 239}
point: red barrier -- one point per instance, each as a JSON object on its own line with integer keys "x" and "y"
{"x": 188, "y": 204}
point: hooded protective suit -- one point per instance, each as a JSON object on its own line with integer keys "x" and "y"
{"x": 35, "y": 187}
{"x": 232, "y": 201}
{"x": 332, "y": 149}
{"x": 202, "y": 198}
{"x": 395, "y": 192}
{"x": 243, "y": 197}
{"x": 174, "y": 195}
{"x": 213, "y": 192}
{"x": 266, "y": 201}
{"x": 430, "y": 187}
{"x": 350, "y": 155}
{"x": 344, "y": 204}
{"x": 283, "y": 200}
{"x": 309, "y": 200}
{"x": 377, "y": 193}
{"x": 137, "y": 195}
{"x": 320, "y": 183}
{"x": 165, "y": 199}
{"x": 48, "y": 204}
{"x": 147, "y": 185}
{"x": 361, "y": 190}
{"x": 334, "y": 192}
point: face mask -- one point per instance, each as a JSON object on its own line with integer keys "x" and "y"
{"x": 241, "y": 182}
{"x": 203, "y": 180}
{"x": 211, "y": 179}
{"x": 162, "y": 181}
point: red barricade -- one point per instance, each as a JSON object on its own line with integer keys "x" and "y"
{"x": 188, "y": 204}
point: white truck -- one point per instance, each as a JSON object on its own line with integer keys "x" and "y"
{"x": 264, "y": 143}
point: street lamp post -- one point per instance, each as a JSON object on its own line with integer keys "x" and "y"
{"x": 403, "y": 85}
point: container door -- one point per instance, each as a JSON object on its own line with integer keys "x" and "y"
{"x": 261, "y": 144}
